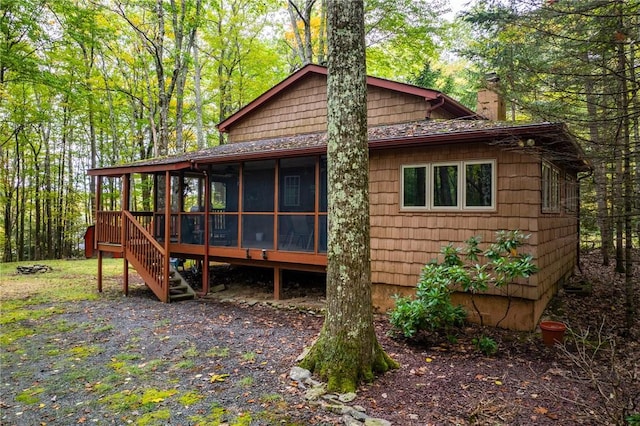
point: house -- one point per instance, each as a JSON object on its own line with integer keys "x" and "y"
{"x": 439, "y": 173}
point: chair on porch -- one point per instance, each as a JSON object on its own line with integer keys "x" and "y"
{"x": 219, "y": 233}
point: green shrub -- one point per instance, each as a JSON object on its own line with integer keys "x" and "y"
{"x": 431, "y": 309}
{"x": 486, "y": 345}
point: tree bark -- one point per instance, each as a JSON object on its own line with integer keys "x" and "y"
{"x": 347, "y": 350}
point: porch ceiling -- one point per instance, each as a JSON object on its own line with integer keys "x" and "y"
{"x": 551, "y": 138}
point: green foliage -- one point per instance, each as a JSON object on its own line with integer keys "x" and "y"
{"x": 486, "y": 345}
{"x": 633, "y": 420}
{"x": 431, "y": 310}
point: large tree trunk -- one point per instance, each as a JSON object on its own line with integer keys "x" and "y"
{"x": 347, "y": 350}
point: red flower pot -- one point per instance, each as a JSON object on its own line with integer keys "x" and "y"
{"x": 552, "y": 332}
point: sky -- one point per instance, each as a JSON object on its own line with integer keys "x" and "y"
{"x": 458, "y": 5}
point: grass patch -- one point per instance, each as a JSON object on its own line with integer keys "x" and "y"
{"x": 30, "y": 396}
{"x": 246, "y": 382}
{"x": 220, "y": 415}
{"x": 190, "y": 398}
{"x": 128, "y": 400}
{"x": 218, "y": 352}
{"x": 81, "y": 352}
{"x": 68, "y": 281}
{"x": 249, "y": 357}
{"x": 154, "y": 418}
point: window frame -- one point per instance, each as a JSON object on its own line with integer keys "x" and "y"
{"x": 550, "y": 188}
{"x": 494, "y": 180}
{"x": 432, "y": 184}
{"x": 426, "y": 187}
{"x": 461, "y": 190}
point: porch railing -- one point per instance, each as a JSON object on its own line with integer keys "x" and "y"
{"x": 147, "y": 256}
{"x": 109, "y": 227}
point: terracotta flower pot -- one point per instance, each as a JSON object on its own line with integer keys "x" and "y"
{"x": 552, "y": 332}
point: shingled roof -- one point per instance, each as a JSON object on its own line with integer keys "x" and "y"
{"x": 553, "y": 138}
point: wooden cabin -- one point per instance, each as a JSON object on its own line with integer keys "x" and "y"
{"x": 439, "y": 173}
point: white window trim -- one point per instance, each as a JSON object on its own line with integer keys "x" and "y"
{"x": 432, "y": 181}
{"x": 426, "y": 189}
{"x": 462, "y": 187}
{"x": 553, "y": 191}
{"x": 493, "y": 185}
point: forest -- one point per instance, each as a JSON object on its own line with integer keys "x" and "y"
{"x": 91, "y": 83}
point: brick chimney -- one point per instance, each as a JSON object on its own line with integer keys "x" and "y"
{"x": 490, "y": 103}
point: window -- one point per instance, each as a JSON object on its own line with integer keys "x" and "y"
{"x": 467, "y": 185}
{"x": 571, "y": 195}
{"x": 550, "y": 188}
{"x": 445, "y": 185}
{"x": 478, "y": 185}
{"x": 414, "y": 184}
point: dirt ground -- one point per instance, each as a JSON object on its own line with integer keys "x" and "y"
{"x": 224, "y": 359}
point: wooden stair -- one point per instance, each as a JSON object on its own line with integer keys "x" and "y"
{"x": 179, "y": 289}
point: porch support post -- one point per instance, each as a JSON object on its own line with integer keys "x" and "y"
{"x": 124, "y": 236}
{"x": 167, "y": 233}
{"x": 277, "y": 283}
{"x": 98, "y": 207}
{"x": 99, "y": 271}
{"x": 205, "y": 261}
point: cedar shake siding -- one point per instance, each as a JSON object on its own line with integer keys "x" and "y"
{"x": 303, "y": 109}
{"x": 402, "y": 242}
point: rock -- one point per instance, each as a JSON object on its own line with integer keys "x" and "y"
{"x": 218, "y": 288}
{"x": 299, "y": 374}
{"x": 350, "y": 421}
{"x": 376, "y": 422}
{"x": 347, "y": 397}
{"x": 357, "y": 414}
{"x": 315, "y": 392}
{"x": 360, "y": 408}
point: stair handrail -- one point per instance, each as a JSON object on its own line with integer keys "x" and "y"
{"x": 146, "y": 255}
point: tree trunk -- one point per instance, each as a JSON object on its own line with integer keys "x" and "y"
{"x": 347, "y": 350}
{"x": 197, "y": 72}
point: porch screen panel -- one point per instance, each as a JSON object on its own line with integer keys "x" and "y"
{"x": 296, "y": 233}
{"x": 257, "y": 231}
{"x": 225, "y": 194}
{"x": 323, "y": 184}
{"x": 258, "y": 183}
{"x": 258, "y": 186}
{"x": 297, "y": 185}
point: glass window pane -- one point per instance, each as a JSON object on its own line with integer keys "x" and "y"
{"x": 224, "y": 187}
{"x": 257, "y": 231}
{"x": 445, "y": 185}
{"x": 297, "y": 184}
{"x": 295, "y": 233}
{"x": 259, "y": 186}
{"x": 414, "y": 186}
{"x": 479, "y": 185}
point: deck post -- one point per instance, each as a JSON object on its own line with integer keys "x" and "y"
{"x": 207, "y": 231}
{"x": 167, "y": 233}
{"x": 277, "y": 283}
{"x": 124, "y": 237}
{"x": 99, "y": 271}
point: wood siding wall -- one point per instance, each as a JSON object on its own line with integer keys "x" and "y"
{"x": 402, "y": 242}
{"x": 303, "y": 109}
